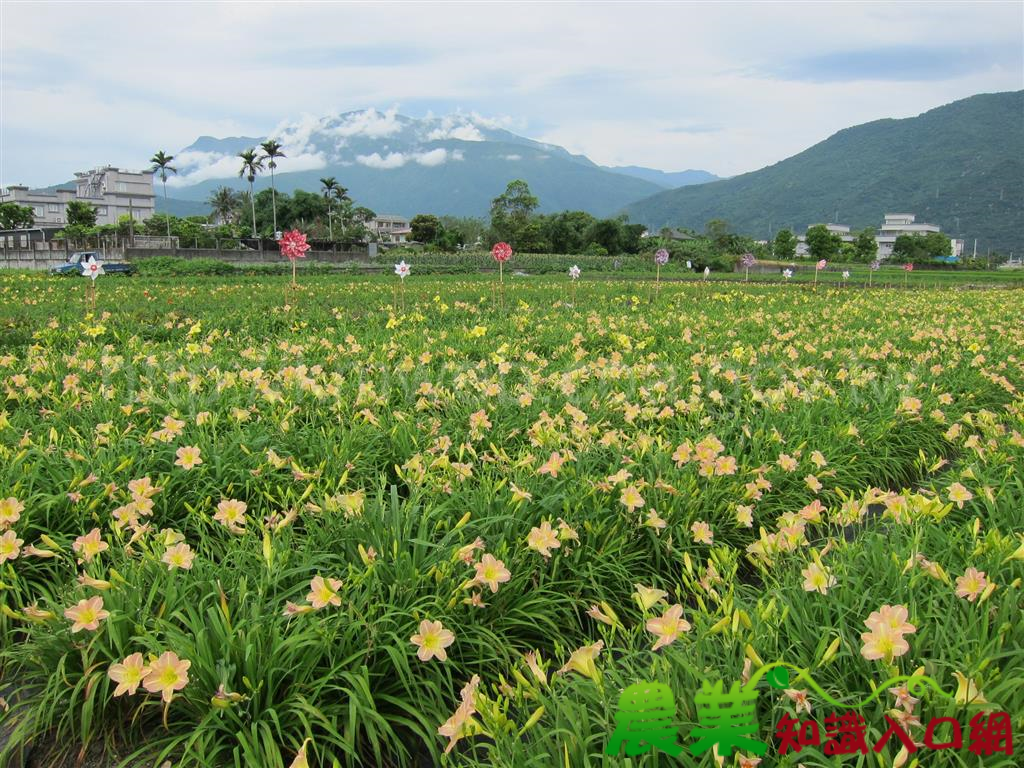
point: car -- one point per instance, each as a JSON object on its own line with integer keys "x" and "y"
{"x": 76, "y": 259}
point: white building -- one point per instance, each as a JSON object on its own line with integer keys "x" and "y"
{"x": 391, "y": 229}
{"x": 897, "y": 224}
{"x": 841, "y": 230}
{"x": 112, "y": 191}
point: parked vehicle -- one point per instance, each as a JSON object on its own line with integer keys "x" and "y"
{"x": 76, "y": 259}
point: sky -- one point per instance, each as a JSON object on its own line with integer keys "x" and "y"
{"x": 727, "y": 87}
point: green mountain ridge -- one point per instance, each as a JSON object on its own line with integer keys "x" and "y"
{"x": 960, "y": 166}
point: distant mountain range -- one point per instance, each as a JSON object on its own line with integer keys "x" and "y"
{"x": 960, "y": 166}
{"x": 396, "y": 164}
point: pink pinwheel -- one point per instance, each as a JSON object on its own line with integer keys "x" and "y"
{"x": 660, "y": 260}
{"x": 501, "y": 252}
{"x": 873, "y": 267}
{"x": 293, "y": 245}
{"x": 747, "y": 261}
{"x": 909, "y": 267}
{"x": 817, "y": 268}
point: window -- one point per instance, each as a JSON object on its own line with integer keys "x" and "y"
{"x": 53, "y": 207}
{"x": 39, "y": 210}
{"x": 122, "y": 186}
{"x": 101, "y": 210}
{"x": 24, "y": 241}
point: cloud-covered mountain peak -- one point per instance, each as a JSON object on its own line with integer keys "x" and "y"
{"x": 376, "y": 139}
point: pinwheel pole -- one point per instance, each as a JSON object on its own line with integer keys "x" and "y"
{"x": 402, "y": 270}
{"x": 501, "y": 252}
{"x": 293, "y": 245}
{"x": 92, "y": 269}
{"x": 660, "y": 259}
{"x": 748, "y": 262}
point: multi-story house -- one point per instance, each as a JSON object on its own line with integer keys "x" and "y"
{"x": 391, "y": 229}
{"x": 112, "y": 191}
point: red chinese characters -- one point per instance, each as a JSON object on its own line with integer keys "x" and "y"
{"x": 989, "y": 733}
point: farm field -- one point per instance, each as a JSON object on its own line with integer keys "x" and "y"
{"x": 443, "y": 524}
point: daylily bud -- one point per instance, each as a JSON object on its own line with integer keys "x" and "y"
{"x": 534, "y": 719}
{"x": 751, "y": 654}
{"x": 831, "y": 651}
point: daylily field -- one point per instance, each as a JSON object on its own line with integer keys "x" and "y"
{"x": 442, "y": 525}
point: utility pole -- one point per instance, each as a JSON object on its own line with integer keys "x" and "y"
{"x": 131, "y": 223}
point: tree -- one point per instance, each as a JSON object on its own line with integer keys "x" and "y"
{"x": 511, "y": 212}
{"x": 223, "y": 204}
{"x": 718, "y": 231}
{"x": 307, "y": 208}
{"x": 81, "y": 214}
{"x": 162, "y": 162}
{"x": 425, "y": 228}
{"x": 865, "y": 246}
{"x": 784, "y": 247}
{"x": 252, "y": 164}
{"x": 468, "y": 230}
{"x": 605, "y": 233}
{"x": 821, "y": 243}
{"x": 921, "y": 249}
{"x": 566, "y": 232}
{"x": 14, "y": 216}
{"x": 271, "y": 150}
{"x": 329, "y": 187}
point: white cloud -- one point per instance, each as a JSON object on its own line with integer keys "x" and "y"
{"x": 429, "y": 158}
{"x": 455, "y": 126}
{"x": 369, "y": 123}
{"x": 194, "y": 167}
{"x": 222, "y": 167}
{"x": 512, "y": 157}
{"x": 391, "y": 160}
{"x": 192, "y": 159}
{"x": 433, "y": 157}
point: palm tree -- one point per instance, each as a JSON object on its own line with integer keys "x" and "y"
{"x": 252, "y": 164}
{"x": 272, "y": 149}
{"x": 341, "y": 195}
{"x": 162, "y": 162}
{"x": 224, "y": 204}
{"x": 330, "y": 185}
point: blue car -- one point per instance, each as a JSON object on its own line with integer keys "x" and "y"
{"x": 76, "y": 259}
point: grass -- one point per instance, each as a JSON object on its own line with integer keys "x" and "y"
{"x": 375, "y": 445}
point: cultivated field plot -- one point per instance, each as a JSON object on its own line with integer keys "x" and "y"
{"x": 450, "y": 525}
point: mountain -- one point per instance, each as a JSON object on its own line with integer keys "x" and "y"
{"x": 960, "y": 166}
{"x": 178, "y": 207}
{"x": 668, "y": 180}
{"x": 396, "y": 164}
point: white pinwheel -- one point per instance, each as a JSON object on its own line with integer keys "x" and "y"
{"x": 92, "y": 268}
{"x": 402, "y": 269}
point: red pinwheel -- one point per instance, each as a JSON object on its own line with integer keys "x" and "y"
{"x": 501, "y": 252}
{"x": 293, "y": 245}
